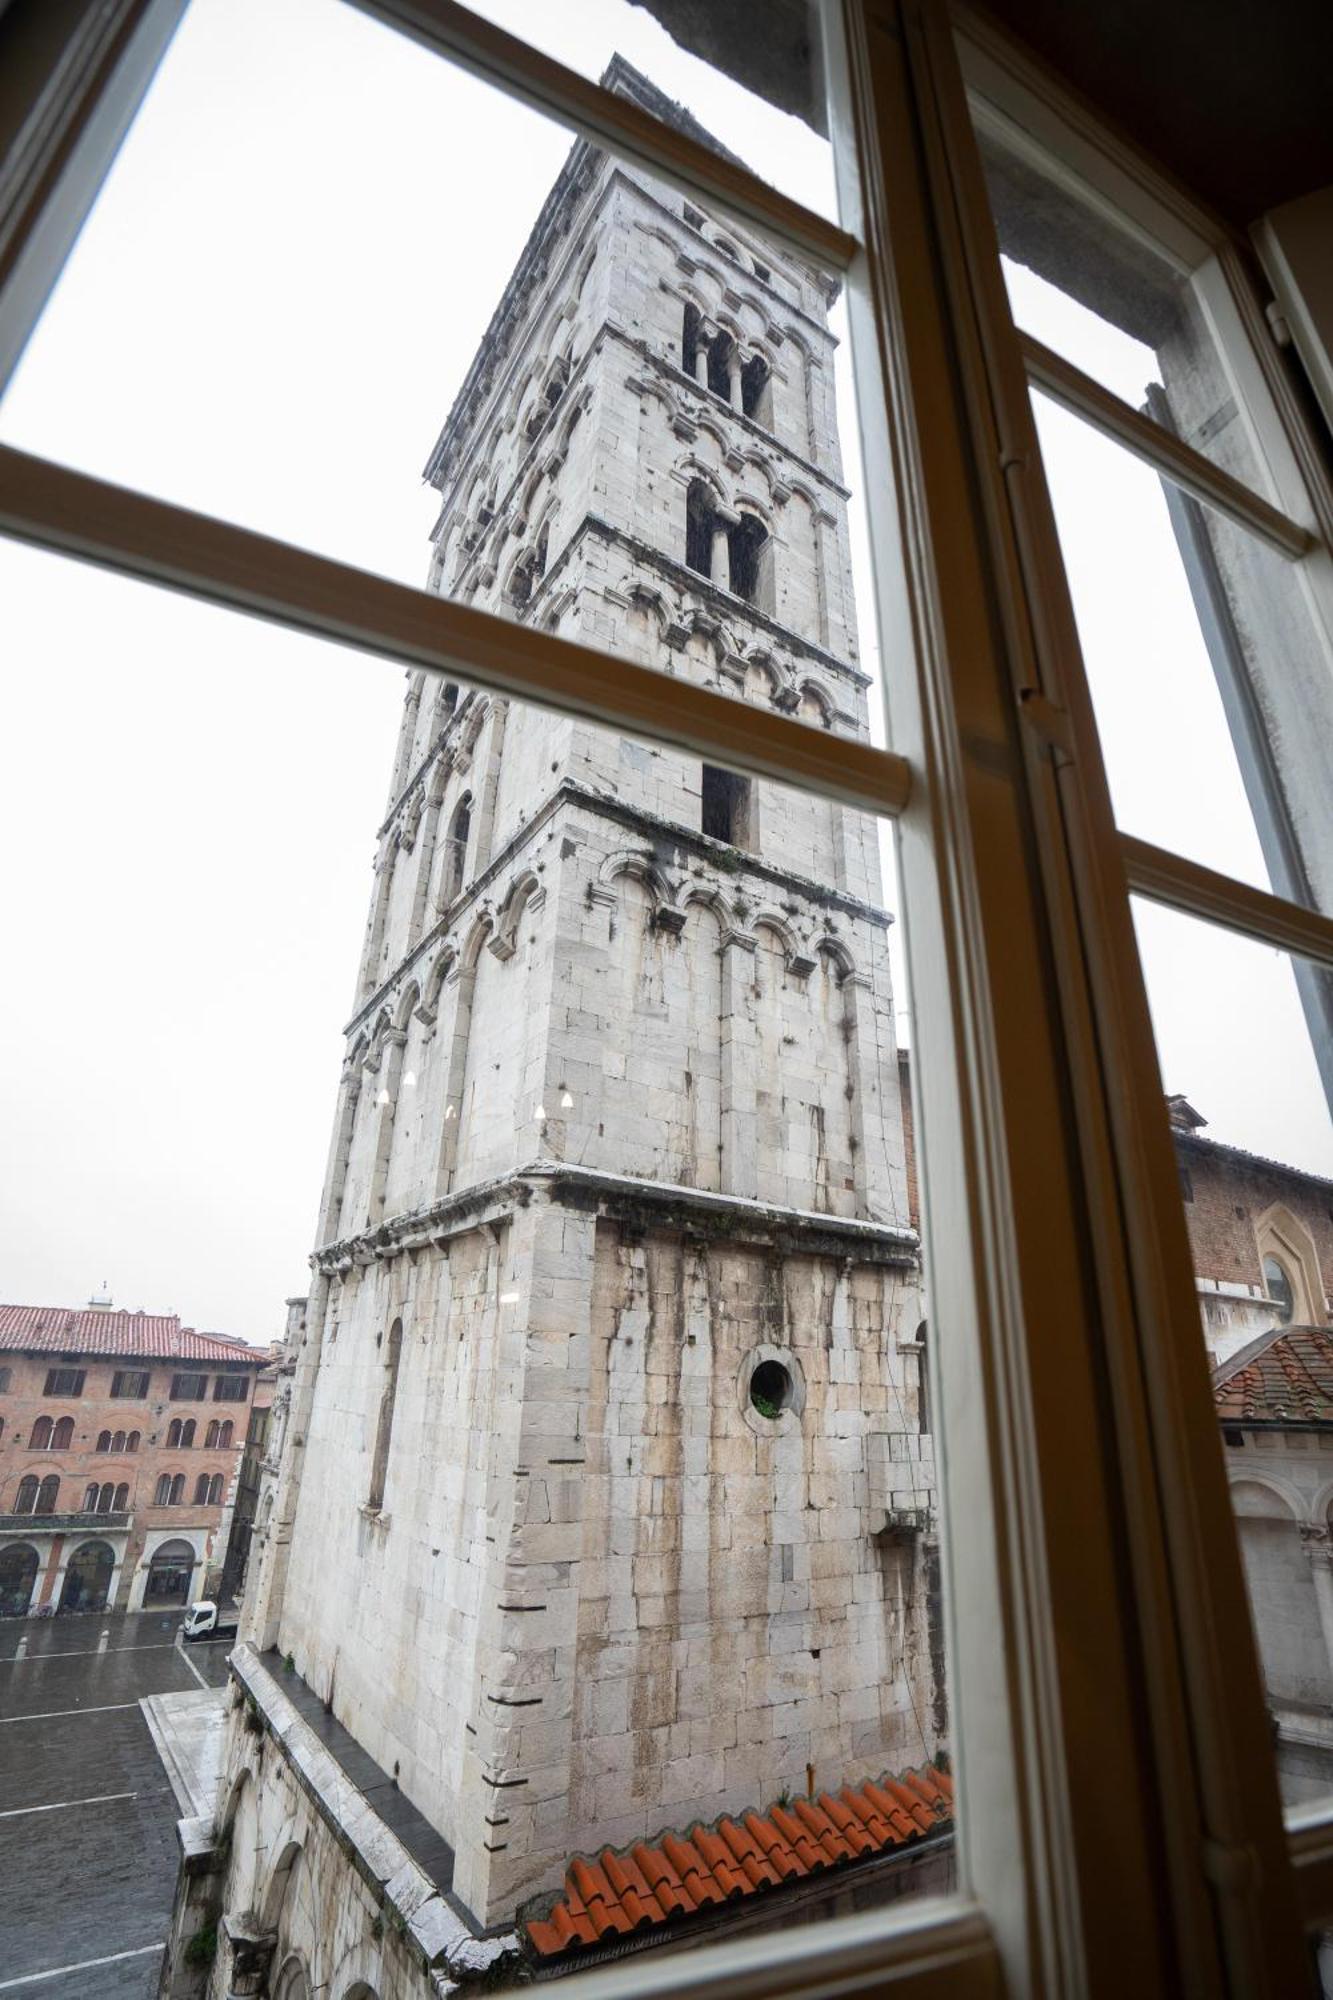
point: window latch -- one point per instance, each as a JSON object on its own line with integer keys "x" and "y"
{"x": 1048, "y": 721}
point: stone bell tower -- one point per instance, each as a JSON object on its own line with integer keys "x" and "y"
{"x": 609, "y": 1498}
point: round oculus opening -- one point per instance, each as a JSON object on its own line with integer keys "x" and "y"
{"x": 770, "y": 1389}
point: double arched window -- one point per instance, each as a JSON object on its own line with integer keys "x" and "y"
{"x": 106, "y": 1499}
{"x": 37, "y": 1497}
{"x": 170, "y": 1490}
{"x": 218, "y": 1436}
{"x": 117, "y": 1441}
{"x": 180, "y": 1434}
{"x": 732, "y": 550}
{"x": 208, "y": 1492}
{"x": 49, "y": 1435}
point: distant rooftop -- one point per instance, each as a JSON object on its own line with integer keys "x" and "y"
{"x": 100, "y": 1329}
{"x": 1287, "y": 1379}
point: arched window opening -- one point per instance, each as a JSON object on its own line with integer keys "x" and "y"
{"x": 187, "y": 1433}
{"x": 5, "y": 1376}
{"x": 132, "y": 1441}
{"x": 118, "y": 1441}
{"x": 384, "y": 1426}
{"x": 177, "y": 1490}
{"x": 169, "y": 1574}
{"x": 723, "y": 366}
{"x": 215, "y": 1490}
{"x": 757, "y": 391}
{"x": 726, "y": 806}
{"x": 448, "y": 699}
{"x": 48, "y": 1493}
{"x": 106, "y": 1498}
{"x": 162, "y": 1492}
{"x": 455, "y": 849}
{"x": 90, "y": 1498}
{"x": 226, "y": 1434}
{"x": 1277, "y": 1279}
{"x": 705, "y": 534}
{"x": 122, "y": 1497}
{"x": 26, "y": 1503}
{"x": 87, "y": 1584}
{"x": 211, "y": 1436}
{"x": 752, "y": 562}
{"x": 693, "y": 217}
{"x": 174, "y": 1434}
{"x": 201, "y": 1490}
{"x": 18, "y": 1574}
{"x": 62, "y": 1437}
{"x": 693, "y": 346}
{"x": 40, "y": 1440}
{"x": 104, "y": 1440}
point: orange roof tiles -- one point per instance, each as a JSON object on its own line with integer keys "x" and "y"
{"x": 615, "y": 1895}
{"x": 1291, "y": 1381}
{"x": 146, "y": 1336}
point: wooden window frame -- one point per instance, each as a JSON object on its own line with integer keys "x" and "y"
{"x": 1118, "y": 1803}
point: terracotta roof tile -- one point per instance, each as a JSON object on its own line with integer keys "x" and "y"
{"x": 615, "y": 1895}
{"x": 1290, "y": 1381}
{"x": 152, "y": 1336}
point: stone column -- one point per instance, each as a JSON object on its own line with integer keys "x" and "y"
{"x": 719, "y": 558}
{"x": 740, "y": 1068}
{"x": 734, "y": 377}
{"x": 701, "y": 347}
{"x": 1318, "y": 1545}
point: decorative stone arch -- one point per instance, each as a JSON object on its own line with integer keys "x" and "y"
{"x": 521, "y": 895}
{"x": 820, "y": 696}
{"x": 293, "y": 1979}
{"x": 289, "y": 1851}
{"x": 1321, "y": 1507}
{"x": 429, "y": 1009}
{"x": 482, "y": 926}
{"x": 1250, "y": 1481}
{"x": 447, "y": 1161}
{"x": 690, "y": 467}
{"x": 642, "y": 868}
{"x": 834, "y": 948}
{"x": 695, "y": 622}
{"x": 798, "y": 962}
{"x": 407, "y": 1005}
{"x": 1280, "y": 1233}
{"x": 700, "y": 895}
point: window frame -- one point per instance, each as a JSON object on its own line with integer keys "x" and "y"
{"x": 1028, "y": 995}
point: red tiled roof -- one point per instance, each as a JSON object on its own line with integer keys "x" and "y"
{"x": 1290, "y": 1380}
{"x": 615, "y": 1895}
{"x": 152, "y": 1336}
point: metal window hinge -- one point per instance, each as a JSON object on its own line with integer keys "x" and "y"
{"x": 1277, "y": 322}
{"x": 1048, "y": 721}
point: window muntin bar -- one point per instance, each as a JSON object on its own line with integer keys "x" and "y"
{"x": 1065, "y": 384}
{"x": 74, "y": 515}
{"x": 513, "y": 65}
{"x": 783, "y": 118}
{"x": 1197, "y": 891}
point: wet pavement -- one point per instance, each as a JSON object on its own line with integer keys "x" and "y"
{"x": 87, "y": 1818}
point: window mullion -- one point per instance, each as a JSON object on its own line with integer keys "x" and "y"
{"x": 77, "y": 515}
{"x": 1175, "y": 460}
{"x": 624, "y": 128}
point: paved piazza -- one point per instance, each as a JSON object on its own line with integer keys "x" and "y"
{"x": 88, "y": 1849}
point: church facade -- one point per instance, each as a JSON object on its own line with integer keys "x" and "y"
{"x": 606, "y": 1500}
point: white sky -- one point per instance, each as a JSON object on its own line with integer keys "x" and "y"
{"x": 266, "y": 318}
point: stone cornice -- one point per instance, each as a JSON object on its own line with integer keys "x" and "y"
{"x": 654, "y": 826}
{"x": 695, "y": 1213}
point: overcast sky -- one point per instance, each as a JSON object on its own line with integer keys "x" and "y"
{"x": 266, "y": 318}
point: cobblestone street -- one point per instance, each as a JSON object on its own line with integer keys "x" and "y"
{"x": 87, "y": 1816}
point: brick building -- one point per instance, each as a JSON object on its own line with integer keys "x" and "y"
{"x": 1262, "y": 1237}
{"x": 120, "y": 1435}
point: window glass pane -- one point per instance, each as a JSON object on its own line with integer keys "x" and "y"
{"x": 591, "y": 1103}
{"x": 759, "y": 97}
{"x": 466, "y": 352}
{"x": 1086, "y": 283}
{"x": 1208, "y": 665}
{"x": 1245, "y": 1062}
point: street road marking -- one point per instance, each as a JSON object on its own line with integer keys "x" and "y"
{"x": 22, "y": 1647}
{"x": 89, "y": 1652}
{"x": 104, "y": 1641}
{"x": 84, "y": 1965}
{"x": 102, "y": 1799}
{"x": 54, "y": 1714}
{"x": 180, "y": 1648}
